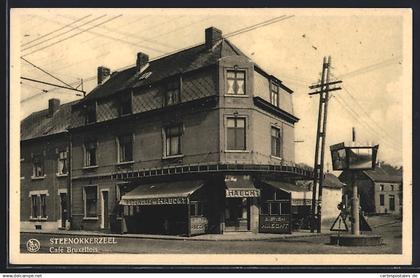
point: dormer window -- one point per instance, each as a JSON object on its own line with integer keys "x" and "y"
{"x": 235, "y": 82}
{"x": 274, "y": 94}
{"x": 90, "y": 115}
{"x": 172, "y": 95}
{"x": 125, "y": 104}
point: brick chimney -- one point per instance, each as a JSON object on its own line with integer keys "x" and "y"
{"x": 53, "y": 106}
{"x": 142, "y": 60}
{"x": 103, "y": 73}
{"x": 213, "y": 35}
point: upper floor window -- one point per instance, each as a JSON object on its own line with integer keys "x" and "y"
{"x": 172, "y": 95}
{"x": 90, "y": 201}
{"x": 62, "y": 167}
{"x": 125, "y": 148}
{"x": 34, "y": 206}
{"x": 392, "y": 187}
{"x": 381, "y": 187}
{"x": 236, "y": 137}
{"x": 125, "y": 104}
{"x": 236, "y": 83}
{"x": 275, "y": 142}
{"x": 38, "y": 166}
{"x": 274, "y": 94}
{"x": 90, "y": 115}
{"x": 173, "y": 140}
{"x": 90, "y": 153}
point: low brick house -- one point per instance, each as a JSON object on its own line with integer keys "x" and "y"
{"x": 379, "y": 191}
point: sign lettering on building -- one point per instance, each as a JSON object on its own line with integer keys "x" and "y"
{"x": 198, "y": 225}
{"x": 279, "y": 224}
{"x": 244, "y": 193}
{"x": 154, "y": 201}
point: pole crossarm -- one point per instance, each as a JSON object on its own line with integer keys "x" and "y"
{"x": 51, "y": 84}
{"x": 325, "y": 90}
{"x": 327, "y": 84}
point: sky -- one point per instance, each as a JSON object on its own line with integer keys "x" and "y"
{"x": 366, "y": 49}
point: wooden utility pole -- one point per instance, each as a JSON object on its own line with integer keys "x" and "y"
{"x": 323, "y": 91}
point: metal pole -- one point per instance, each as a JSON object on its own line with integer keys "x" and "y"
{"x": 355, "y": 228}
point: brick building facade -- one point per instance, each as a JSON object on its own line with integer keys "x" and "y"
{"x": 184, "y": 144}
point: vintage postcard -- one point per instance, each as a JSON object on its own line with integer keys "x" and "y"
{"x": 210, "y": 136}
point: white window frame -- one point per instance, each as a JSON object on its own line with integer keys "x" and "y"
{"x": 117, "y": 140}
{"x": 67, "y": 163}
{"x": 181, "y": 145}
{"x": 38, "y": 194}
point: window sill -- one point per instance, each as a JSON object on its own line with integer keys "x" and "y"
{"x": 90, "y": 167}
{"x": 91, "y": 218}
{"x": 276, "y": 157}
{"x": 61, "y": 175}
{"x": 125, "y": 162}
{"x": 38, "y": 219}
{"x": 236, "y": 151}
{"x": 239, "y": 96}
{"x": 173, "y": 156}
{"x": 38, "y": 178}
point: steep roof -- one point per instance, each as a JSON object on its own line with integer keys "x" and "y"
{"x": 380, "y": 175}
{"x": 180, "y": 62}
{"x": 330, "y": 181}
{"x": 39, "y": 124}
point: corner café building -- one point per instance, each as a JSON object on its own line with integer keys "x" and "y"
{"x": 208, "y": 201}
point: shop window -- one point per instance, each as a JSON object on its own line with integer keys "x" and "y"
{"x": 236, "y": 84}
{"x": 90, "y": 153}
{"x": 62, "y": 167}
{"x": 34, "y": 206}
{"x": 274, "y": 94}
{"x": 172, "y": 95}
{"x": 196, "y": 208}
{"x": 275, "y": 142}
{"x": 236, "y": 136}
{"x": 91, "y": 200}
{"x": 284, "y": 208}
{"x": 265, "y": 208}
{"x": 125, "y": 148}
{"x": 274, "y": 208}
{"x": 381, "y": 199}
{"x": 38, "y": 166}
{"x": 125, "y": 104}
{"x": 173, "y": 140}
{"x": 90, "y": 113}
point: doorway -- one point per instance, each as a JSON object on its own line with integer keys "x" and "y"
{"x": 63, "y": 210}
{"x": 237, "y": 215}
{"x": 391, "y": 202}
{"x": 104, "y": 210}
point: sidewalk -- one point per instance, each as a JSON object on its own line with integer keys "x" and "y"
{"x": 231, "y": 236}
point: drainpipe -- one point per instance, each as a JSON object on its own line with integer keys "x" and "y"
{"x": 69, "y": 181}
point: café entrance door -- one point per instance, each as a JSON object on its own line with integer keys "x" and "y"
{"x": 237, "y": 214}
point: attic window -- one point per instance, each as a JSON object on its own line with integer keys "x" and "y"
{"x": 172, "y": 95}
{"x": 125, "y": 104}
{"x": 90, "y": 113}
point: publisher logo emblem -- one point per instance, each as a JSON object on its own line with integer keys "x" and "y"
{"x": 33, "y": 245}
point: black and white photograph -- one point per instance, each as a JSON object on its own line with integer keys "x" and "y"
{"x": 210, "y": 136}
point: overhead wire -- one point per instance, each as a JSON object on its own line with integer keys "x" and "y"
{"x": 72, "y": 36}
{"x": 63, "y": 33}
{"x": 56, "y": 30}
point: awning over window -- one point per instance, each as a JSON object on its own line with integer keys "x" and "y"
{"x": 300, "y": 195}
{"x": 168, "y": 193}
{"x": 240, "y": 187}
